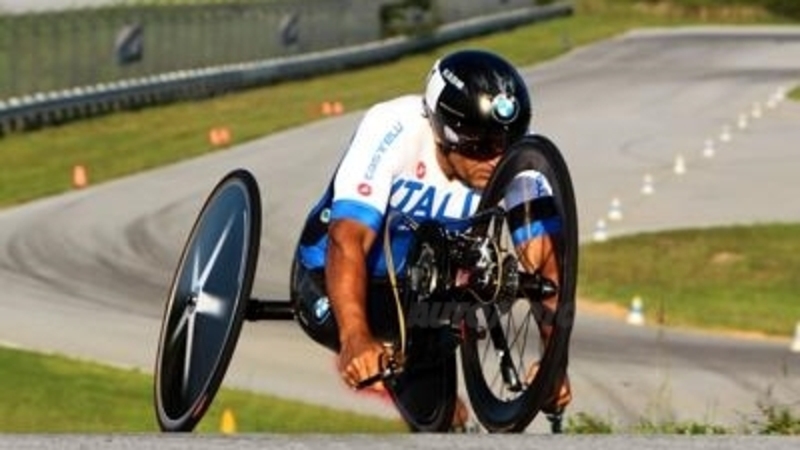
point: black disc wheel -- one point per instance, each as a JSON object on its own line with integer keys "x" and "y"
{"x": 207, "y": 301}
{"x": 511, "y": 370}
{"x": 425, "y": 392}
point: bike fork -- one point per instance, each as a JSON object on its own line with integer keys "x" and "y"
{"x": 507, "y": 369}
{"x": 268, "y": 310}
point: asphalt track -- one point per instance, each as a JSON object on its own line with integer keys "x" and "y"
{"x": 86, "y": 273}
{"x": 16, "y": 6}
{"x": 405, "y": 442}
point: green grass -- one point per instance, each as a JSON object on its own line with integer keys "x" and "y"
{"x": 728, "y": 278}
{"x": 39, "y": 164}
{"x": 774, "y": 420}
{"x": 185, "y": 2}
{"x": 53, "y": 394}
{"x": 794, "y": 94}
{"x": 49, "y": 393}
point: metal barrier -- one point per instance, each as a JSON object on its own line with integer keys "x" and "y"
{"x": 48, "y": 51}
{"x": 121, "y": 90}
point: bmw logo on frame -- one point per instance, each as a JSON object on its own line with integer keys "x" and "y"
{"x": 504, "y": 108}
{"x": 322, "y": 309}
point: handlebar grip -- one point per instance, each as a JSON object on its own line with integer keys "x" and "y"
{"x": 389, "y": 367}
{"x": 380, "y": 376}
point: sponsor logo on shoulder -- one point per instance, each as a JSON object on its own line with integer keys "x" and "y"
{"x": 383, "y": 146}
{"x": 364, "y": 189}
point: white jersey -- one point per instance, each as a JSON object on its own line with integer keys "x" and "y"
{"x": 389, "y": 167}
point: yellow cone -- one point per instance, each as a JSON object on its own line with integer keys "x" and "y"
{"x": 228, "y": 425}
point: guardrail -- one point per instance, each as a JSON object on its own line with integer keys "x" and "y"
{"x": 55, "y": 107}
{"x": 59, "y": 49}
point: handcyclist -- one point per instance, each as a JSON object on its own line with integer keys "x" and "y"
{"x": 429, "y": 156}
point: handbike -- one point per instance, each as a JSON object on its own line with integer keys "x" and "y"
{"x": 458, "y": 291}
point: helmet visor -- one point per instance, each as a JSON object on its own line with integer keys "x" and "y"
{"x": 479, "y": 147}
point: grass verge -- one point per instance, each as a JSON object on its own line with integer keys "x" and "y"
{"x": 40, "y": 164}
{"x": 774, "y": 420}
{"x": 727, "y": 278}
{"x": 47, "y": 393}
{"x": 794, "y": 94}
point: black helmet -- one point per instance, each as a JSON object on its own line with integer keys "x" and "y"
{"x": 477, "y": 103}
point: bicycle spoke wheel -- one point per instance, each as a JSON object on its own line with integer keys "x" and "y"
{"x": 510, "y": 372}
{"x": 207, "y": 301}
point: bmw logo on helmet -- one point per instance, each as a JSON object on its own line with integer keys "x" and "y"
{"x": 504, "y": 108}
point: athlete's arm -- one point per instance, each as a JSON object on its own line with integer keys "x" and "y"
{"x": 346, "y": 278}
{"x": 346, "y": 274}
{"x": 534, "y": 219}
{"x": 538, "y": 254}
{"x": 361, "y": 193}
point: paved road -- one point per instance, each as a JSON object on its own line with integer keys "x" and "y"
{"x": 405, "y": 442}
{"x": 15, "y": 6}
{"x": 86, "y": 273}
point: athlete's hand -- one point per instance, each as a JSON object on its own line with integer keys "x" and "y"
{"x": 360, "y": 358}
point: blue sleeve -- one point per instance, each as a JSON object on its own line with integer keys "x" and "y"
{"x": 358, "y": 211}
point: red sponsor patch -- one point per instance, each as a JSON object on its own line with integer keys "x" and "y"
{"x": 364, "y": 189}
{"x": 421, "y": 170}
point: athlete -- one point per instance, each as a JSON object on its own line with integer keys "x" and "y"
{"x": 428, "y": 156}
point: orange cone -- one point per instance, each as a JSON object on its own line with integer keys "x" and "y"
{"x": 213, "y": 137}
{"x": 326, "y": 108}
{"x": 80, "y": 178}
{"x": 224, "y": 135}
{"x": 337, "y": 108}
{"x": 219, "y": 136}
